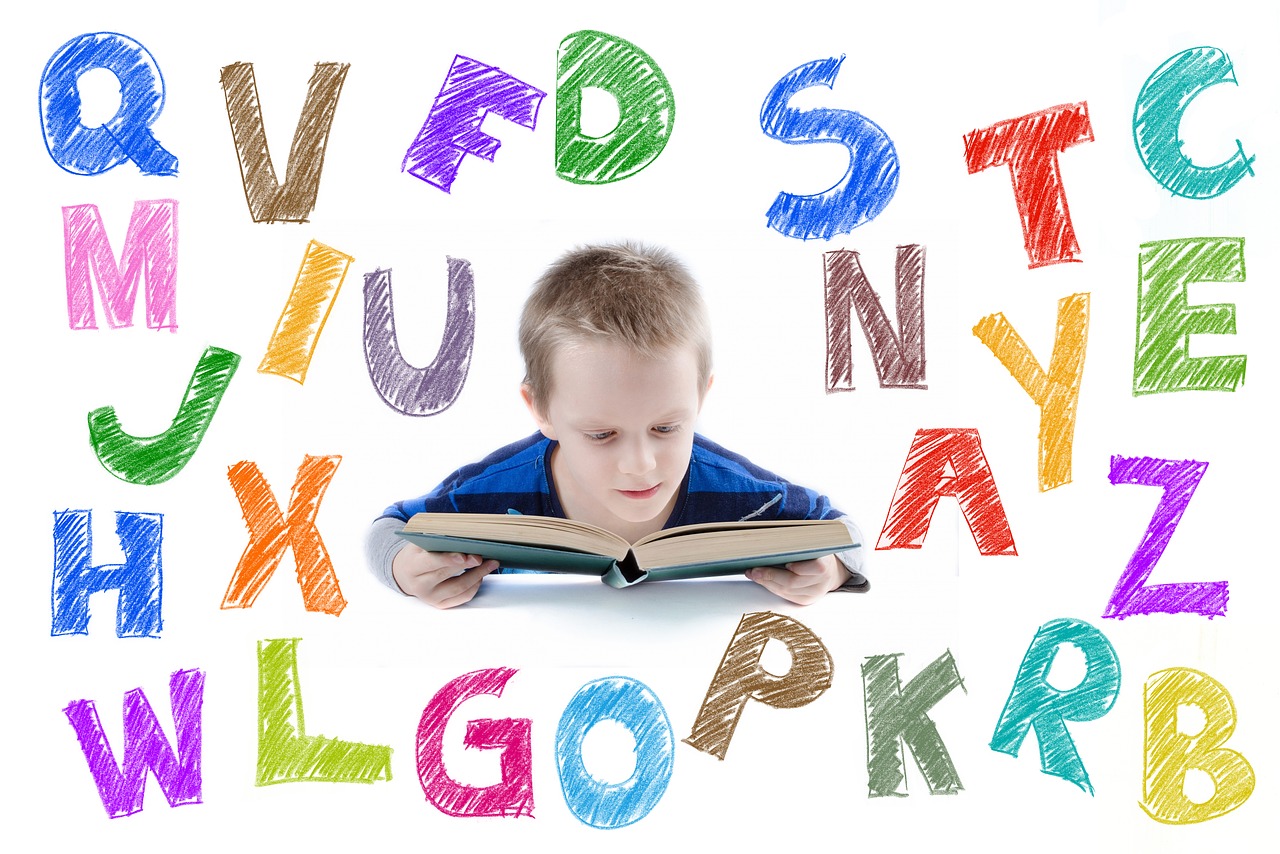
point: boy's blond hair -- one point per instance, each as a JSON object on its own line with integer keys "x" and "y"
{"x": 641, "y": 297}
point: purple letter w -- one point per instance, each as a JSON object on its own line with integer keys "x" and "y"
{"x": 145, "y": 746}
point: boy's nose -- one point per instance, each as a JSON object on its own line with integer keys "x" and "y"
{"x": 637, "y": 458}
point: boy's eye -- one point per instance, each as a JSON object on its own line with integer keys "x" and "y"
{"x": 599, "y": 437}
{"x": 665, "y": 429}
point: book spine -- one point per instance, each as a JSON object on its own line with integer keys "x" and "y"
{"x": 624, "y": 573}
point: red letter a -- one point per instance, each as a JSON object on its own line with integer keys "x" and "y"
{"x": 925, "y": 479}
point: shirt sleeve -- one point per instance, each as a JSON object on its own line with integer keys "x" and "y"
{"x": 803, "y": 502}
{"x": 381, "y": 545}
{"x": 854, "y": 560}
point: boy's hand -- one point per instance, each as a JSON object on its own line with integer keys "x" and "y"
{"x": 441, "y": 579}
{"x": 803, "y": 582}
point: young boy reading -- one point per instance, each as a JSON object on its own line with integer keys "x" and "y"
{"x": 617, "y": 351}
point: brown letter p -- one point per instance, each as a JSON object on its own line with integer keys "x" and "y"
{"x": 740, "y": 677}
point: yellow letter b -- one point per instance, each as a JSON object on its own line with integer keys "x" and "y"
{"x": 1169, "y": 753}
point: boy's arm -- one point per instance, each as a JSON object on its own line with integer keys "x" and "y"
{"x": 853, "y": 560}
{"x": 380, "y": 548}
{"x": 800, "y": 502}
{"x": 441, "y": 579}
{"x": 805, "y": 582}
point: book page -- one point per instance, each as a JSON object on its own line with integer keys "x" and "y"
{"x": 702, "y": 543}
{"x": 741, "y": 527}
{"x": 534, "y": 530}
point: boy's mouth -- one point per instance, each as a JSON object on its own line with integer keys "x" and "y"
{"x": 640, "y": 494}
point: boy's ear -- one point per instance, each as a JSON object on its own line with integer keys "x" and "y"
{"x": 539, "y": 418}
{"x": 710, "y": 381}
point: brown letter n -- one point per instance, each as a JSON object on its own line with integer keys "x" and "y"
{"x": 899, "y": 358}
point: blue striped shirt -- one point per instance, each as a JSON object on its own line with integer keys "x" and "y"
{"x": 719, "y": 486}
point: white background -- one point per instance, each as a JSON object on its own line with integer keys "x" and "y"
{"x": 927, "y": 74}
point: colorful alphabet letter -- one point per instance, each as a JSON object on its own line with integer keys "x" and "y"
{"x": 1169, "y": 753}
{"x": 513, "y": 794}
{"x": 899, "y": 357}
{"x": 122, "y": 787}
{"x": 646, "y": 108}
{"x": 471, "y": 90}
{"x": 429, "y": 390}
{"x": 315, "y": 290}
{"x": 1157, "y": 122}
{"x": 1035, "y": 703}
{"x": 740, "y": 678}
{"x": 270, "y": 201}
{"x": 896, "y": 715}
{"x": 286, "y": 754}
{"x": 125, "y": 136}
{"x": 1162, "y": 361}
{"x": 1178, "y": 479}
{"x": 271, "y": 533}
{"x": 946, "y": 462}
{"x": 1030, "y": 146}
{"x": 149, "y": 460}
{"x": 139, "y": 580}
{"x": 867, "y": 185}
{"x": 150, "y": 250}
{"x": 635, "y": 706}
{"x": 1056, "y": 392}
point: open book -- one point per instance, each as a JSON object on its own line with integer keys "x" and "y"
{"x": 691, "y": 551}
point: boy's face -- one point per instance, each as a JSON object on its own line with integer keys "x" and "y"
{"x": 624, "y": 425}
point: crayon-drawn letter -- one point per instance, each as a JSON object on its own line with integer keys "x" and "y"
{"x": 126, "y": 135}
{"x": 1169, "y": 753}
{"x": 121, "y": 787}
{"x": 867, "y": 185}
{"x": 605, "y": 804}
{"x": 268, "y": 200}
{"x": 512, "y": 796}
{"x": 740, "y": 677}
{"x": 1034, "y": 702}
{"x": 286, "y": 754}
{"x": 896, "y": 715}
{"x": 270, "y": 533}
{"x": 1161, "y": 359}
{"x": 471, "y": 91}
{"x": 589, "y": 59}
{"x": 139, "y": 580}
{"x": 150, "y": 250}
{"x": 1157, "y": 121}
{"x": 1030, "y": 146}
{"x": 429, "y": 390}
{"x": 149, "y": 460}
{"x": 315, "y": 289}
{"x": 1178, "y": 479}
{"x": 899, "y": 358}
{"x": 1056, "y": 392}
{"x": 947, "y": 462}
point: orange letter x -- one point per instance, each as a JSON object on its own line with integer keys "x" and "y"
{"x": 270, "y": 534}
